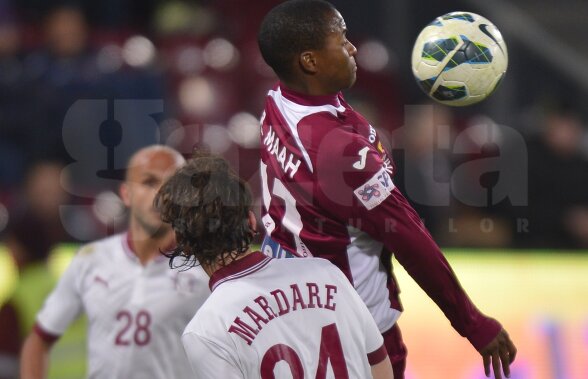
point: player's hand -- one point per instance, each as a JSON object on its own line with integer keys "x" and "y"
{"x": 500, "y": 352}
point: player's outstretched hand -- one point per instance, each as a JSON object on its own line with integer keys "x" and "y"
{"x": 500, "y": 352}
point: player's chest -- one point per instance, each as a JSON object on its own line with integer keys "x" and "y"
{"x": 376, "y": 140}
{"x": 156, "y": 290}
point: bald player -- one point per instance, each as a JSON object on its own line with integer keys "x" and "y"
{"x": 136, "y": 305}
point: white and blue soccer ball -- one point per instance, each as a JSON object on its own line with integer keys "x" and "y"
{"x": 459, "y": 58}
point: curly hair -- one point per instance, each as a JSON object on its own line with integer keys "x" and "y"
{"x": 207, "y": 205}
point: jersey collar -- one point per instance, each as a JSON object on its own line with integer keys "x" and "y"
{"x": 131, "y": 253}
{"x": 239, "y": 268}
{"x": 309, "y": 100}
{"x": 128, "y": 248}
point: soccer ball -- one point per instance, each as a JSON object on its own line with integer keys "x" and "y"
{"x": 459, "y": 58}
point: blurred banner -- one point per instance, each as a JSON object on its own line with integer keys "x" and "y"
{"x": 540, "y": 298}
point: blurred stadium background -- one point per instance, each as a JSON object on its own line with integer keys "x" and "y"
{"x": 503, "y": 185}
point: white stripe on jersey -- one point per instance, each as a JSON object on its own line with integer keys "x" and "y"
{"x": 293, "y": 113}
{"x": 369, "y": 277}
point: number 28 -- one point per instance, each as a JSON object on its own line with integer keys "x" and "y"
{"x": 141, "y": 334}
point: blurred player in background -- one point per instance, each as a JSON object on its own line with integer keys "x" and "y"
{"x": 328, "y": 189}
{"x": 29, "y": 242}
{"x": 136, "y": 305}
{"x": 304, "y": 315}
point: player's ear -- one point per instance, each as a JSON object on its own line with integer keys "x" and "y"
{"x": 308, "y": 61}
{"x": 124, "y": 194}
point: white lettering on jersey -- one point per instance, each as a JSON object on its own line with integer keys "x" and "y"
{"x": 360, "y": 164}
{"x": 273, "y": 144}
{"x": 372, "y": 136}
{"x": 387, "y": 164}
{"x": 262, "y": 118}
{"x": 373, "y": 192}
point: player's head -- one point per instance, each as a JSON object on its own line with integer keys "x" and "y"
{"x": 208, "y": 206}
{"x": 44, "y": 188}
{"x": 304, "y": 42}
{"x": 146, "y": 171}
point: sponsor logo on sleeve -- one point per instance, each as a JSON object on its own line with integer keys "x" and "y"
{"x": 100, "y": 280}
{"x": 373, "y": 192}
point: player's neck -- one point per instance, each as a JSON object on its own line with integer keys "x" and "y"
{"x": 217, "y": 266}
{"x": 309, "y": 87}
{"x": 147, "y": 247}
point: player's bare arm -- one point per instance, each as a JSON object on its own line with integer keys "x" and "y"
{"x": 34, "y": 357}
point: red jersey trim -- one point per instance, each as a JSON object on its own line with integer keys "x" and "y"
{"x": 127, "y": 244}
{"x": 239, "y": 268}
{"x": 377, "y": 356}
{"x": 49, "y": 338}
{"x": 304, "y": 99}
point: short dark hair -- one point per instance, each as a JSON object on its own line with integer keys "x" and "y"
{"x": 291, "y": 28}
{"x": 208, "y": 206}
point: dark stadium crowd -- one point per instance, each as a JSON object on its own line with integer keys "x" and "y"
{"x": 84, "y": 84}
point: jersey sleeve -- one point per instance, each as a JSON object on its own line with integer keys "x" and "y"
{"x": 208, "y": 360}
{"x": 355, "y": 182}
{"x": 64, "y": 303}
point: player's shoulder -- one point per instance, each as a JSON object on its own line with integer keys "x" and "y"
{"x": 312, "y": 269}
{"x": 307, "y": 265}
{"x": 212, "y": 310}
{"x": 192, "y": 272}
{"x": 325, "y": 265}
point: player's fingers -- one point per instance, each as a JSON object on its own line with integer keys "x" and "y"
{"x": 505, "y": 360}
{"x": 496, "y": 365}
{"x": 486, "y": 359}
{"x": 512, "y": 351}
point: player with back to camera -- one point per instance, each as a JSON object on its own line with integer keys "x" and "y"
{"x": 265, "y": 318}
{"x": 137, "y": 306}
{"x": 328, "y": 187}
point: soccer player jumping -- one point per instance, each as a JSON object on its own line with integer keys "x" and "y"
{"x": 328, "y": 187}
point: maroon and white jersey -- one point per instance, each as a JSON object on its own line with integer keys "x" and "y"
{"x": 276, "y": 318}
{"x": 328, "y": 191}
{"x": 136, "y": 314}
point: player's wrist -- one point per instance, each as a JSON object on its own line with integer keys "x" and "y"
{"x": 484, "y": 333}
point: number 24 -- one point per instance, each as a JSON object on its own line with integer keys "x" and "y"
{"x": 331, "y": 350}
